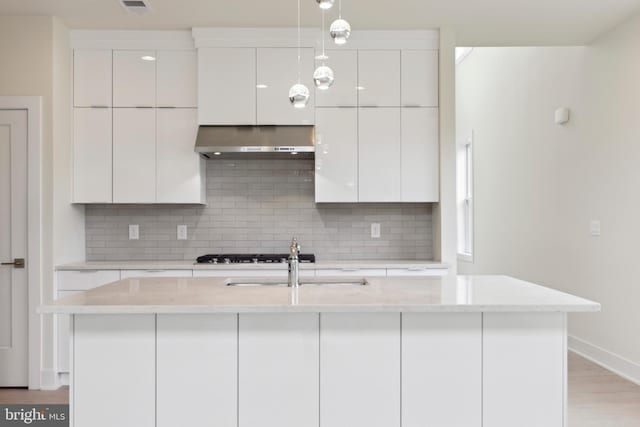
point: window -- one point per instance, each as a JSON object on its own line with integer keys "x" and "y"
{"x": 465, "y": 199}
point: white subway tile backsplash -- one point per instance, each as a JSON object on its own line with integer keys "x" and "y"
{"x": 257, "y": 206}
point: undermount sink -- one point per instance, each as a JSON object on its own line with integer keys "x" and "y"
{"x": 312, "y": 283}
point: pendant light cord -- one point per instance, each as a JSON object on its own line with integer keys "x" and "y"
{"x": 298, "y": 41}
{"x": 322, "y": 33}
{"x": 339, "y": 9}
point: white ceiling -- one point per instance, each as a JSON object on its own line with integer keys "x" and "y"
{"x": 476, "y": 22}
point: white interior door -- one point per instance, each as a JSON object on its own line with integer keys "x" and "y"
{"x": 13, "y": 248}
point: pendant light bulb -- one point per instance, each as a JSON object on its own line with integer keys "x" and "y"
{"x": 325, "y": 4}
{"x": 323, "y": 77}
{"x": 299, "y": 95}
{"x": 340, "y": 31}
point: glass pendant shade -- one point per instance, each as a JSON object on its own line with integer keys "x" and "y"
{"x": 340, "y": 31}
{"x": 323, "y": 77}
{"x": 325, "y": 4}
{"x": 299, "y": 95}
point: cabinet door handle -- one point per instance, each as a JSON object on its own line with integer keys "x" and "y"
{"x": 143, "y": 106}
{"x": 350, "y": 269}
{"x": 155, "y": 271}
{"x": 99, "y": 106}
{"x": 167, "y": 106}
{"x": 416, "y": 269}
{"x": 88, "y": 271}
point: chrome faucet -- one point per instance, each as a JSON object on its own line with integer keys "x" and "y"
{"x": 294, "y": 264}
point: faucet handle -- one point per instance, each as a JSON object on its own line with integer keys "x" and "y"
{"x": 295, "y": 247}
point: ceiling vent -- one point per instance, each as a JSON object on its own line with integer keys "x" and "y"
{"x": 136, "y": 6}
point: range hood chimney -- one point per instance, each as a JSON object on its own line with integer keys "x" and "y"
{"x": 246, "y": 142}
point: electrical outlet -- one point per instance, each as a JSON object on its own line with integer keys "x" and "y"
{"x": 594, "y": 228}
{"x": 134, "y": 231}
{"x": 375, "y": 231}
{"x": 182, "y": 232}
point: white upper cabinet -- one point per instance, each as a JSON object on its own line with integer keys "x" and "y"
{"x": 134, "y": 155}
{"x": 134, "y": 78}
{"x": 177, "y": 83}
{"x": 336, "y": 155}
{"x": 379, "y": 155}
{"x": 91, "y": 78}
{"x": 420, "y": 155}
{"x": 277, "y": 72}
{"x": 419, "y": 78}
{"x": 343, "y": 92}
{"x": 379, "y": 78}
{"x": 180, "y": 170}
{"x": 227, "y": 86}
{"x": 92, "y": 155}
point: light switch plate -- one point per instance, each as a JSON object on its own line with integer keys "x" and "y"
{"x": 375, "y": 231}
{"x": 182, "y": 232}
{"x": 594, "y": 228}
{"x": 134, "y": 232}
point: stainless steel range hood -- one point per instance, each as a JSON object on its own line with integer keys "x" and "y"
{"x": 246, "y": 142}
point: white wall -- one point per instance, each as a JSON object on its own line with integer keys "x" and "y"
{"x": 538, "y": 185}
{"x": 36, "y": 61}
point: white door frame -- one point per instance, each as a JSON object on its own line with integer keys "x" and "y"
{"x": 33, "y": 106}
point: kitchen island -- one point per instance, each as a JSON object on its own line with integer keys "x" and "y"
{"x": 375, "y": 352}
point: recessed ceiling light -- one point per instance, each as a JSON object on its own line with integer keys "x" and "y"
{"x": 217, "y": 153}
{"x": 360, "y": 88}
{"x": 293, "y": 153}
{"x": 261, "y": 86}
{"x": 148, "y": 58}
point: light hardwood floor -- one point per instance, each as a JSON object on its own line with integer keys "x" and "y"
{"x": 597, "y": 398}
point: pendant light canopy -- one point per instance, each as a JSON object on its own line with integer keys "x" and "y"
{"x": 299, "y": 93}
{"x": 340, "y": 29}
{"x": 323, "y": 76}
{"x": 325, "y": 4}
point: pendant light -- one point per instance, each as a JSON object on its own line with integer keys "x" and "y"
{"x": 323, "y": 76}
{"x": 340, "y": 29}
{"x": 325, "y": 4}
{"x": 299, "y": 93}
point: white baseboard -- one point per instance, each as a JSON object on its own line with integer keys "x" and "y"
{"x": 49, "y": 380}
{"x": 608, "y": 360}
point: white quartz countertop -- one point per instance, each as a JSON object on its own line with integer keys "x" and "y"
{"x": 190, "y": 265}
{"x": 379, "y": 294}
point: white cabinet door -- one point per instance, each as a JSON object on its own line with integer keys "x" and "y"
{"x": 351, "y": 272}
{"x": 379, "y": 78}
{"x": 107, "y": 350}
{"x": 177, "y": 82}
{"x": 524, "y": 369}
{"x": 420, "y": 155}
{"x": 416, "y": 272}
{"x": 227, "y": 86}
{"x": 420, "y": 78}
{"x": 279, "y": 370}
{"x": 83, "y": 280}
{"x": 343, "y": 92}
{"x": 360, "y": 369}
{"x": 277, "y": 72}
{"x": 180, "y": 170}
{"x": 156, "y": 273}
{"x": 379, "y": 155}
{"x": 134, "y": 78}
{"x": 134, "y": 155}
{"x": 92, "y": 148}
{"x": 442, "y": 369}
{"x": 91, "y": 78}
{"x": 197, "y": 361}
{"x": 336, "y": 176}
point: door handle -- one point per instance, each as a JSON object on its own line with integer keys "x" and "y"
{"x": 17, "y": 263}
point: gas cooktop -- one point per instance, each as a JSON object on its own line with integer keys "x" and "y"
{"x": 251, "y": 259}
